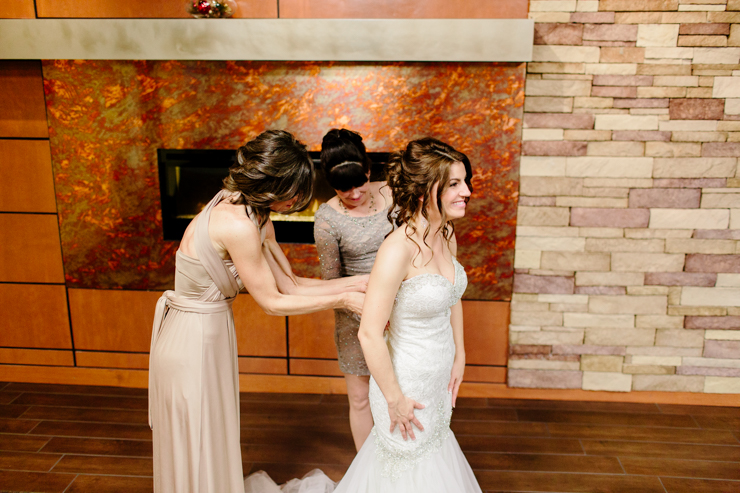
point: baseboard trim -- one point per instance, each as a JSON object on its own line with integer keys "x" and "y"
{"x": 335, "y": 385}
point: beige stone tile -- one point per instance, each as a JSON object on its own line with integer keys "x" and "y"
{"x": 721, "y": 297}
{"x": 609, "y": 167}
{"x": 527, "y": 259}
{"x": 556, "y": 87}
{"x": 605, "y": 192}
{"x": 543, "y": 216}
{"x": 588, "y": 135}
{"x": 657, "y": 35}
{"x": 555, "y": 244}
{"x": 524, "y": 297}
{"x": 648, "y": 290}
{"x": 539, "y": 364}
{"x": 592, "y": 362}
{"x": 652, "y": 370}
{"x": 692, "y": 245}
{"x": 546, "y": 231}
{"x": 720, "y": 200}
{"x": 672, "y": 149}
{"x": 616, "y": 336}
{"x": 577, "y": 54}
{"x": 647, "y": 262}
{"x": 575, "y": 261}
{"x": 624, "y": 245}
{"x": 722, "y": 385}
{"x": 547, "y": 17}
{"x": 637, "y": 305}
{"x": 603, "y": 202}
{"x": 601, "y": 232}
{"x": 712, "y": 362}
{"x": 668, "y": 383}
{"x": 690, "y": 352}
{"x": 579, "y": 299}
{"x": 698, "y": 311}
{"x": 626, "y": 122}
{"x": 611, "y": 381}
{"x": 657, "y": 233}
{"x": 679, "y": 338}
{"x": 728, "y": 280}
{"x": 618, "y": 182}
{"x": 656, "y": 360}
{"x": 610, "y": 278}
{"x": 542, "y": 165}
{"x": 546, "y": 338}
{"x": 536, "y": 318}
{"x": 590, "y": 320}
{"x": 611, "y": 68}
{"x": 658, "y": 322}
{"x": 699, "y": 136}
{"x": 689, "y": 218}
{"x": 722, "y": 335}
{"x": 552, "y": 6}
{"x": 660, "y": 53}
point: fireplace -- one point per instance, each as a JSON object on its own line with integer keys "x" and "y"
{"x": 189, "y": 178}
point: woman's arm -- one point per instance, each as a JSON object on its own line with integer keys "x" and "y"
{"x": 389, "y": 270}
{"x": 456, "y": 320}
{"x": 289, "y": 283}
{"x": 242, "y": 241}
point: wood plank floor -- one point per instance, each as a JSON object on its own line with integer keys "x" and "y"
{"x": 56, "y": 438}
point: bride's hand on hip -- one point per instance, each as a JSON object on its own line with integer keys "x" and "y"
{"x": 402, "y": 415}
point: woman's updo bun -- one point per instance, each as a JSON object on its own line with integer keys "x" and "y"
{"x": 344, "y": 160}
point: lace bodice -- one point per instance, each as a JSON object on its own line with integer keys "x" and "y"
{"x": 422, "y": 350}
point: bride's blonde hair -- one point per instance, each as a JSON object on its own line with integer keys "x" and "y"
{"x": 411, "y": 175}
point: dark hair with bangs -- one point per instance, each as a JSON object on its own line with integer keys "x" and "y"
{"x": 344, "y": 160}
{"x": 273, "y": 167}
{"x": 412, "y": 173}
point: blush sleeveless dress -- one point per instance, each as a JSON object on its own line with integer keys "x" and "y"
{"x": 193, "y": 374}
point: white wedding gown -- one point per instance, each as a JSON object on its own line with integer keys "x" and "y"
{"x": 422, "y": 350}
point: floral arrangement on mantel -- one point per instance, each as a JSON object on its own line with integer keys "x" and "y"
{"x": 212, "y": 9}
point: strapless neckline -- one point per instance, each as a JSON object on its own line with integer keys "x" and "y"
{"x": 455, "y": 264}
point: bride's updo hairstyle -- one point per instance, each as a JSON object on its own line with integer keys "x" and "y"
{"x": 273, "y": 167}
{"x": 344, "y": 160}
{"x": 412, "y": 174}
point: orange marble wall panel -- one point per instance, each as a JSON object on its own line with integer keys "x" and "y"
{"x": 42, "y": 357}
{"x": 162, "y": 9}
{"x": 491, "y": 374}
{"x": 269, "y": 366}
{"x": 486, "y": 332}
{"x": 34, "y": 316}
{"x": 110, "y": 117}
{"x": 17, "y": 9}
{"x": 257, "y": 333}
{"x": 27, "y": 183}
{"x": 112, "y": 320}
{"x": 404, "y": 9}
{"x": 94, "y": 359}
{"x": 312, "y": 336}
{"x": 23, "y": 110}
{"x": 30, "y": 250}
{"x": 317, "y": 367}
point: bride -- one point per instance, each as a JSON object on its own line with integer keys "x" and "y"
{"x": 417, "y": 366}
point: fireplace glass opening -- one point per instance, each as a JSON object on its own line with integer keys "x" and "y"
{"x": 189, "y": 178}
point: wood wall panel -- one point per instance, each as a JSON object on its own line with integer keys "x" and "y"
{"x": 162, "y": 9}
{"x": 493, "y": 374}
{"x": 23, "y": 110}
{"x": 34, "y": 316}
{"x": 319, "y": 367}
{"x": 404, "y": 9}
{"x": 17, "y": 9}
{"x": 273, "y": 366}
{"x": 257, "y": 333}
{"x": 27, "y": 183}
{"x": 112, "y": 320}
{"x": 30, "y": 250}
{"x": 43, "y": 357}
{"x": 312, "y": 336}
{"x": 486, "y": 332}
{"x": 93, "y": 359}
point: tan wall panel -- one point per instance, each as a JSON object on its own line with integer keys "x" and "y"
{"x": 34, "y": 316}
{"x": 27, "y": 183}
{"x": 404, "y": 9}
{"x": 23, "y": 111}
{"x": 312, "y": 336}
{"x": 30, "y": 250}
{"x": 257, "y": 333}
{"x": 320, "y": 367}
{"x": 93, "y": 359}
{"x": 270, "y": 366}
{"x": 17, "y": 9}
{"x": 36, "y": 357}
{"x": 112, "y": 320}
{"x": 493, "y": 374}
{"x": 486, "y": 332}
{"x": 162, "y": 9}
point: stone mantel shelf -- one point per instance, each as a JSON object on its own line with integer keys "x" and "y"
{"x": 377, "y": 40}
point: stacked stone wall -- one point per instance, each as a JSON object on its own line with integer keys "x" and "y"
{"x": 627, "y": 251}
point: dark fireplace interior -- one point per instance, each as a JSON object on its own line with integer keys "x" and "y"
{"x": 189, "y": 178}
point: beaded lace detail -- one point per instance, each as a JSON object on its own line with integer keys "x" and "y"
{"x": 422, "y": 351}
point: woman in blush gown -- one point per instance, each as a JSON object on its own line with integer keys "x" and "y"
{"x": 193, "y": 373}
{"x": 417, "y": 367}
